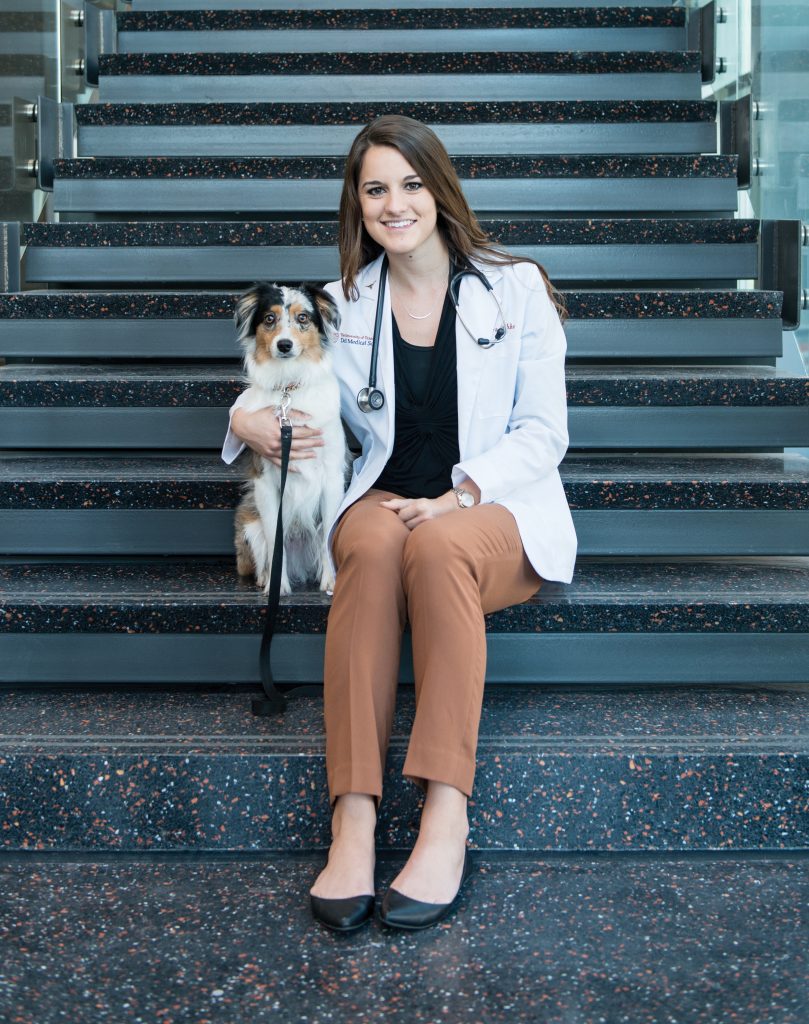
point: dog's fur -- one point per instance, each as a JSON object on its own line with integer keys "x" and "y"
{"x": 285, "y": 334}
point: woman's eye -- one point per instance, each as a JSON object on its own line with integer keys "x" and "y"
{"x": 377, "y": 190}
{"x": 414, "y": 186}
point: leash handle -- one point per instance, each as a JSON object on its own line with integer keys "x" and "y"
{"x": 274, "y": 702}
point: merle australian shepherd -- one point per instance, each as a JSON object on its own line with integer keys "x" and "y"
{"x": 286, "y": 335}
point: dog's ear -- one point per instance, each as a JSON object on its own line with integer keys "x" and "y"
{"x": 243, "y": 316}
{"x": 327, "y": 308}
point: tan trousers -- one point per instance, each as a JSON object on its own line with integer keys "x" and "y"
{"x": 442, "y": 576}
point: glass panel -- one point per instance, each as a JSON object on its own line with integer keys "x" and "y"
{"x": 780, "y": 47}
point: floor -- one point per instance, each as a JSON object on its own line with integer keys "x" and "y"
{"x": 562, "y": 939}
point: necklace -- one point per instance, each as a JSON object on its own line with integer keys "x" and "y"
{"x": 415, "y": 316}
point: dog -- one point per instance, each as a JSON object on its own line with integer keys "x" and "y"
{"x": 286, "y": 336}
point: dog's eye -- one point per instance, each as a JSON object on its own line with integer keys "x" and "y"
{"x": 303, "y": 319}
{"x": 269, "y": 319}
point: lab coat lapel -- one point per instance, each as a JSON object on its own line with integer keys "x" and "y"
{"x": 479, "y": 311}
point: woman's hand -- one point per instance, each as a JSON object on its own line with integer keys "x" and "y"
{"x": 262, "y": 432}
{"x": 413, "y": 511}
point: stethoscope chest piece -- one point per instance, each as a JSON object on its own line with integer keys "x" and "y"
{"x": 370, "y": 399}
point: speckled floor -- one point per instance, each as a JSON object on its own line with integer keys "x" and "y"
{"x": 557, "y": 940}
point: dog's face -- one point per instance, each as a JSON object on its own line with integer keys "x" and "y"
{"x": 274, "y": 322}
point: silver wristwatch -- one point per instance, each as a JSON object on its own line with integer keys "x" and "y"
{"x": 465, "y": 499}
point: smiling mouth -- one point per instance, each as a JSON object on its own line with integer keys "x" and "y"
{"x": 398, "y": 223}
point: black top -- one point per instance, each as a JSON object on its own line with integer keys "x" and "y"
{"x": 425, "y": 442}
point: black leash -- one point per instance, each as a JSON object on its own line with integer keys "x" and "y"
{"x": 274, "y": 702}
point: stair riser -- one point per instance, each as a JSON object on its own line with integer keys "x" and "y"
{"x": 226, "y": 264}
{"x": 347, "y": 88}
{"x": 404, "y": 40}
{"x": 210, "y": 532}
{"x": 549, "y": 798}
{"x": 366, "y": 5}
{"x": 542, "y": 195}
{"x": 335, "y": 140}
{"x": 693, "y": 428}
{"x": 549, "y": 658}
{"x": 203, "y": 339}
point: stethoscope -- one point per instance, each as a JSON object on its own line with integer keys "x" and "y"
{"x": 371, "y": 398}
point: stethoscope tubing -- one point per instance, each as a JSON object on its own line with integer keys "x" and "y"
{"x": 371, "y": 398}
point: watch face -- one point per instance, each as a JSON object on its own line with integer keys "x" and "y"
{"x": 466, "y": 499}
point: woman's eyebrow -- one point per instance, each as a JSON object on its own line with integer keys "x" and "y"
{"x": 407, "y": 177}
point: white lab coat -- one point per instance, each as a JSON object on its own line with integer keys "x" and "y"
{"x": 512, "y": 412}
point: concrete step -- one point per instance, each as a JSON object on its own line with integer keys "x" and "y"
{"x": 197, "y": 622}
{"x": 409, "y": 30}
{"x": 343, "y": 77}
{"x": 641, "y": 325}
{"x": 610, "y": 407}
{"x": 654, "y": 770}
{"x": 644, "y": 932}
{"x": 372, "y": 5}
{"x": 183, "y": 504}
{"x": 326, "y": 129}
{"x": 537, "y": 184}
{"x": 226, "y": 252}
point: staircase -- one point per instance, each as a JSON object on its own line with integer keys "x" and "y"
{"x": 213, "y": 158}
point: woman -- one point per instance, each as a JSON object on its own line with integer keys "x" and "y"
{"x": 455, "y": 507}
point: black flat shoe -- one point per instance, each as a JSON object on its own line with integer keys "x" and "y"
{"x": 400, "y": 911}
{"x": 344, "y": 915}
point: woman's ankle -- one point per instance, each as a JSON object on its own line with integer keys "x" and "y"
{"x": 355, "y": 812}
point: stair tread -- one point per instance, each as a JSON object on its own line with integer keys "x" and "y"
{"x": 468, "y": 167}
{"x": 195, "y": 596}
{"x": 682, "y": 931}
{"x": 397, "y": 63}
{"x": 595, "y": 305}
{"x": 203, "y": 481}
{"x": 666, "y": 720}
{"x": 317, "y": 114}
{"x": 217, "y": 386}
{"x": 402, "y": 19}
{"x": 563, "y": 231}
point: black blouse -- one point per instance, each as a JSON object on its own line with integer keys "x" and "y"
{"x": 425, "y": 443}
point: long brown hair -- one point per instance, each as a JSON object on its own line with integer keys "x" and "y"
{"x": 459, "y": 227}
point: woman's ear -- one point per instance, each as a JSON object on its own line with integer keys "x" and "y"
{"x": 327, "y": 308}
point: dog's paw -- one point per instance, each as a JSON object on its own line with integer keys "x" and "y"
{"x": 327, "y": 582}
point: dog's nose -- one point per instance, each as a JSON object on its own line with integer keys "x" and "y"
{"x": 284, "y": 345}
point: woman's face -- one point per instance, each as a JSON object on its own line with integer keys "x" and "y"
{"x": 397, "y": 209}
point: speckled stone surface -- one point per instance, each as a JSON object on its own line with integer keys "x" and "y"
{"x": 476, "y": 112}
{"x": 201, "y": 386}
{"x": 202, "y": 481}
{"x": 413, "y": 18}
{"x": 480, "y": 63}
{"x": 168, "y": 596}
{"x": 589, "y": 305}
{"x": 565, "y": 231}
{"x": 642, "y": 769}
{"x": 475, "y": 167}
{"x": 574, "y": 940}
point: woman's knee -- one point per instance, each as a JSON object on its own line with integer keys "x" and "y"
{"x": 373, "y": 534}
{"x": 434, "y": 546}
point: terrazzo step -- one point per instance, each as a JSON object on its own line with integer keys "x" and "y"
{"x": 69, "y": 406}
{"x": 631, "y": 505}
{"x": 369, "y": 5}
{"x": 581, "y": 184}
{"x": 327, "y": 129}
{"x": 409, "y": 30}
{"x": 692, "y": 325}
{"x": 622, "y": 935}
{"x": 227, "y": 252}
{"x": 557, "y": 770}
{"x": 197, "y": 622}
{"x": 344, "y": 77}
